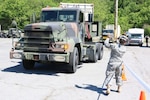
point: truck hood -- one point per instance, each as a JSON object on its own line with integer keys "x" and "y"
{"x": 56, "y": 27}
{"x": 42, "y": 26}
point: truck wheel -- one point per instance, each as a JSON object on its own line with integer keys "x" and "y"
{"x": 73, "y": 60}
{"x": 95, "y": 54}
{"x": 100, "y": 51}
{"x": 28, "y": 64}
{"x": 141, "y": 45}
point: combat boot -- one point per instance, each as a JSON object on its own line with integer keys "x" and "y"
{"x": 119, "y": 89}
{"x": 108, "y": 90}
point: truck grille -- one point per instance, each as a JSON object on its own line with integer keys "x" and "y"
{"x": 37, "y": 34}
{"x": 135, "y": 41}
{"x": 37, "y": 41}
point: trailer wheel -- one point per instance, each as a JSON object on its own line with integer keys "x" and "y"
{"x": 73, "y": 60}
{"x": 28, "y": 64}
{"x": 95, "y": 54}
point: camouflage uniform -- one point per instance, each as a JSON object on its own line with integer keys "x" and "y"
{"x": 115, "y": 62}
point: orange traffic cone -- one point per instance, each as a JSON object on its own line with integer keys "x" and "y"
{"x": 142, "y": 96}
{"x": 123, "y": 76}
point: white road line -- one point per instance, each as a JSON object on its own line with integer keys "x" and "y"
{"x": 143, "y": 83}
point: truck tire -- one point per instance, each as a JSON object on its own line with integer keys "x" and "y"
{"x": 28, "y": 64}
{"x": 95, "y": 54}
{"x": 73, "y": 60}
{"x": 100, "y": 52}
{"x": 141, "y": 44}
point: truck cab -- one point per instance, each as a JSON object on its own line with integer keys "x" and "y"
{"x": 61, "y": 14}
{"x": 107, "y": 32}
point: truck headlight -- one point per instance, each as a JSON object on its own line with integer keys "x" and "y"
{"x": 63, "y": 46}
{"x": 16, "y": 44}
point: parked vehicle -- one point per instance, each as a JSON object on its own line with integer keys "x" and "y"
{"x": 109, "y": 30}
{"x": 3, "y": 35}
{"x": 135, "y": 36}
{"x": 13, "y": 32}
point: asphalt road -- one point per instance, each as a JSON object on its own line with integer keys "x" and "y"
{"x": 51, "y": 82}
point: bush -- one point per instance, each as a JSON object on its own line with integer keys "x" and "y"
{"x": 147, "y": 31}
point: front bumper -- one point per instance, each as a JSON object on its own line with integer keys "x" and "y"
{"x": 105, "y": 37}
{"x": 135, "y": 42}
{"x": 48, "y": 57}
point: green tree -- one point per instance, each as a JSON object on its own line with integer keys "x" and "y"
{"x": 131, "y": 13}
{"x": 13, "y": 9}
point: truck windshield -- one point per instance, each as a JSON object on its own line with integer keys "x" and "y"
{"x": 58, "y": 15}
{"x": 136, "y": 36}
{"x": 108, "y": 31}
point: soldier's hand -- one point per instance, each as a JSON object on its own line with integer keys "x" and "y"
{"x": 108, "y": 36}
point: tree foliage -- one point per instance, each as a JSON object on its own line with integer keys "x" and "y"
{"x": 131, "y": 13}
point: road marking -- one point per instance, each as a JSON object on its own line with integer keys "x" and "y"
{"x": 143, "y": 83}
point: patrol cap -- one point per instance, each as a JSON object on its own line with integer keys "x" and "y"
{"x": 123, "y": 37}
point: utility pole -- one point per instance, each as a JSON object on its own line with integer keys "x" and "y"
{"x": 116, "y": 19}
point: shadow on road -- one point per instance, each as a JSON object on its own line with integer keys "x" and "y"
{"x": 99, "y": 90}
{"x": 45, "y": 69}
{"x": 145, "y": 46}
{"x": 92, "y": 88}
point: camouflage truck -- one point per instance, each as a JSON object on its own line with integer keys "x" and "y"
{"x": 62, "y": 35}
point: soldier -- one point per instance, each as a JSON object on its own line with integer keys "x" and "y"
{"x": 147, "y": 37}
{"x": 115, "y": 62}
{"x": 14, "y": 24}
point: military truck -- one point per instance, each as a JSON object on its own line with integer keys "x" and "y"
{"x": 135, "y": 36}
{"x": 62, "y": 35}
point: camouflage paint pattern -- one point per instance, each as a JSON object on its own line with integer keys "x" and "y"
{"x": 47, "y": 41}
{"x": 46, "y": 45}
